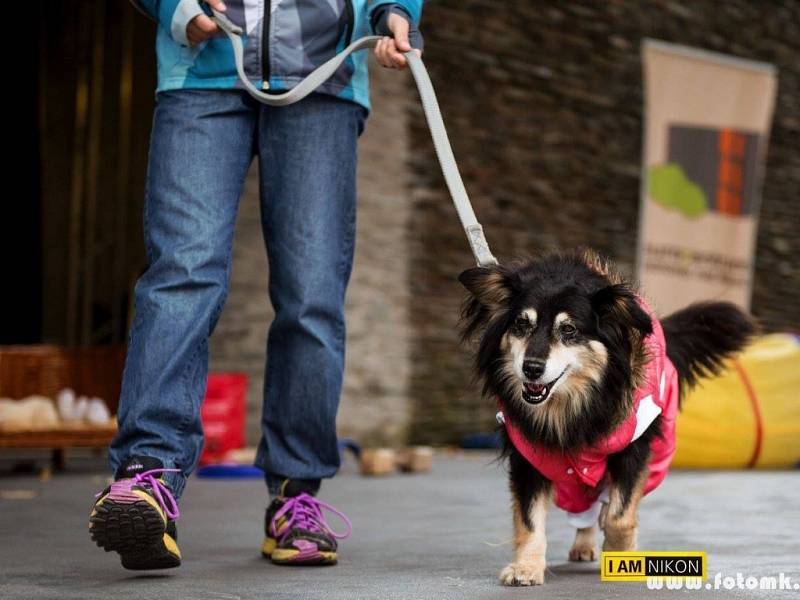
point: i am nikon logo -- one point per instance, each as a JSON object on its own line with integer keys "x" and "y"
{"x": 640, "y": 566}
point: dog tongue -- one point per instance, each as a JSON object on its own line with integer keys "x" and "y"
{"x": 535, "y": 387}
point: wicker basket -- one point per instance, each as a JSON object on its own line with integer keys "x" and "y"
{"x": 47, "y": 369}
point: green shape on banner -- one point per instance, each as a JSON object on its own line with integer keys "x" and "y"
{"x": 669, "y": 186}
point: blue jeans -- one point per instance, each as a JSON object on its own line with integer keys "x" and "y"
{"x": 201, "y": 146}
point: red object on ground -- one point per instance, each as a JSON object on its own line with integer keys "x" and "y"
{"x": 223, "y": 414}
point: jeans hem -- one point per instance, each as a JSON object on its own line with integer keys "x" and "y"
{"x": 175, "y": 480}
{"x": 274, "y": 480}
{"x": 274, "y": 483}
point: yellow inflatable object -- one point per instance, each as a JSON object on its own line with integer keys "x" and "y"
{"x": 749, "y": 416}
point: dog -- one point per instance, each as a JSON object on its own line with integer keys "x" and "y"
{"x": 588, "y": 383}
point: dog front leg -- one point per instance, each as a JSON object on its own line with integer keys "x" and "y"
{"x": 531, "y": 496}
{"x": 530, "y": 545}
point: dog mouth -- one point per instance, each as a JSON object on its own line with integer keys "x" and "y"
{"x": 536, "y": 393}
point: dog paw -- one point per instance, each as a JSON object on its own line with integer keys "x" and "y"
{"x": 523, "y": 574}
{"x": 583, "y": 553}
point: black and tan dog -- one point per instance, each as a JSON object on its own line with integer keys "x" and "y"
{"x": 587, "y": 381}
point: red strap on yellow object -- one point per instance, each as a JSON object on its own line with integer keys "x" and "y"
{"x": 756, "y": 405}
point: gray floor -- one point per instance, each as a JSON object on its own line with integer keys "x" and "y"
{"x": 442, "y": 535}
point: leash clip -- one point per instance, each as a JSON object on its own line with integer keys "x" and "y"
{"x": 479, "y": 245}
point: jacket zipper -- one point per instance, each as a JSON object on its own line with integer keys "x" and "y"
{"x": 265, "y": 43}
{"x": 265, "y": 69}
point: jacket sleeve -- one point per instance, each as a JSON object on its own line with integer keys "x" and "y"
{"x": 412, "y": 7}
{"x": 173, "y": 15}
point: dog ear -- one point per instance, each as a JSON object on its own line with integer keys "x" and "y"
{"x": 618, "y": 309}
{"x": 600, "y": 265}
{"x": 490, "y": 286}
{"x": 491, "y": 289}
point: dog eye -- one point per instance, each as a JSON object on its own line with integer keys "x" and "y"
{"x": 568, "y": 330}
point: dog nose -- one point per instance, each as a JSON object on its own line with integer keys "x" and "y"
{"x": 533, "y": 369}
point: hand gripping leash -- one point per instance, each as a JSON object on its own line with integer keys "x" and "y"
{"x": 441, "y": 143}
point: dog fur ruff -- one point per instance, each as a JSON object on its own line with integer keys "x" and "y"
{"x": 578, "y": 478}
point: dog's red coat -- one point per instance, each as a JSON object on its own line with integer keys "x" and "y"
{"x": 579, "y": 479}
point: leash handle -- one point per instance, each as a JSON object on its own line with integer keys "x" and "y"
{"x": 474, "y": 231}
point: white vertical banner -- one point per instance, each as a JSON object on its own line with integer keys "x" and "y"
{"x": 707, "y": 121}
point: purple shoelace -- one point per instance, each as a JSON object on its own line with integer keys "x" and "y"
{"x": 162, "y": 493}
{"x": 305, "y": 512}
{"x": 121, "y": 489}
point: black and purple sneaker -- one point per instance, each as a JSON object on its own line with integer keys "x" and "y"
{"x": 135, "y": 516}
{"x": 296, "y": 530}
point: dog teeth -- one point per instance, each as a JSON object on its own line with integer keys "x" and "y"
{"x": 536, "y": 397}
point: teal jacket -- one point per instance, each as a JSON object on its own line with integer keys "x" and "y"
{"x": 285, "y": 41}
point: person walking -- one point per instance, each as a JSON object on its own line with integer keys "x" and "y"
{"x": 206, "y": 131}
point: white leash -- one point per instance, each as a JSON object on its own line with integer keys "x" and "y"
{"x": 441, "y": 143}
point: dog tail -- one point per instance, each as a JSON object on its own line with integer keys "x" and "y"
{"x": 701, "y": 336}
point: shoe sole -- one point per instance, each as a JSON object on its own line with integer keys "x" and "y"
{"x": 296, "y": 557}
{"x": 136, "y": 531}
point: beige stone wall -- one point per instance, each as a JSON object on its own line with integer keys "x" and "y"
{"x": 375, "y": 405}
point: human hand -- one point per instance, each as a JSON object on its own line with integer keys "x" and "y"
{"x": 202, "y": 27}
{"x": 389, "y": 50}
